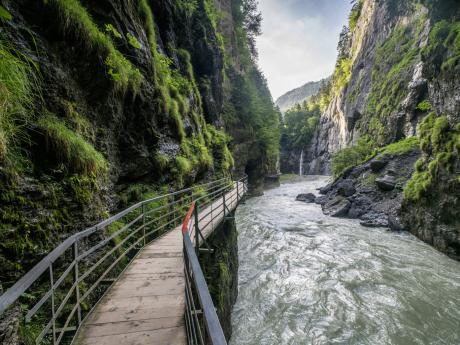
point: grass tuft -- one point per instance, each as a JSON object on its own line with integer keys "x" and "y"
{"x": 76, "y": 19}
{"x": 4, "y": 14}
{"x": 19, "y": 87}
{"x": 72, "y": 149}
{"x": 401, "y": 147}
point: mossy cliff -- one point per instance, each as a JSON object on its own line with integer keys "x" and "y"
{"x": 105, "y": 102}
{"x": 221, "y": 271}
{"x": 397, "y": 77}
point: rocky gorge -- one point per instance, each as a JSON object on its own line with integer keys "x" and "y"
{"x": 107, "y": 103}
{"x": 388, "y": 123}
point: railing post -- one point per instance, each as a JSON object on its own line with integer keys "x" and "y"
{"x": 223, "y": 197}
{"x": 143, "y": 222}
{"x": 237, "y": 191}
{"x": 75, "y": 279}
{"x": 52, "y": 302}
{"x": 197, "y": 230}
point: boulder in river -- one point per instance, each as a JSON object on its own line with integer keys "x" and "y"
{"x": 309, "y": 197}
{"x": 337, "y": 207}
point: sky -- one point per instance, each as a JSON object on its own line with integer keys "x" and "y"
{"x": 299, "y": 41}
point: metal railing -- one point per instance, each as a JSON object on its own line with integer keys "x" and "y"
{"x": 62, "y": 289}
{"x": 201, "y": 320}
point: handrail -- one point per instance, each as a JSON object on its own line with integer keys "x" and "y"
{"x": 213, "y": 326}
{"x": 139, "y": 224}
{"x": 202, "y": 323}
{"x": 16, "y": 290}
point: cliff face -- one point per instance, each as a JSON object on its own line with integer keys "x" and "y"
{"x": 397, "y": 77}
{"x": 103, "y": 103}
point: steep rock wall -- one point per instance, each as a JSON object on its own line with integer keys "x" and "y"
{"x": 397, "y": 77}
{"x": 113, "y": 101}
{"x": 384, "y": 83}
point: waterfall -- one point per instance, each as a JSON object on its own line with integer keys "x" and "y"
{"x": 301, "y": 164}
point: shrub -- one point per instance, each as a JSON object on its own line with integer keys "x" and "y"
{"x": 424, "y": 105}
{"x": 75, "y": 152}
{"x": 352, "y": 156}
{"x": 342, "y": 73}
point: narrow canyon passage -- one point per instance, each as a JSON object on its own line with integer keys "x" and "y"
{"x": 306, "y": 278}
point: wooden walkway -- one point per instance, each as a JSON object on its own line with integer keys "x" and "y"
{"x": 146, "y": 305}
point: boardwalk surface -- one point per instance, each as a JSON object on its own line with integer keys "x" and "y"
{"x": 146, "y": 305}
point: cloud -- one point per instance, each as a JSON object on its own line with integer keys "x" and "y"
{"x": 299, "y": 40}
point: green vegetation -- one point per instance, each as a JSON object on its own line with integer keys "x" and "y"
{"x": 424, "y": 106}
{"x": 401, "y": 147}
{"x": 443, "y": 49}
{"x": 109, "y": 28}
{"x": 4, "y": 14}
{"x": 188, "y": 6}
{"x": 299, "y": 125}
{"x": 355, "y": 14}
{"x": 77, "y": 20}
{"x": 19, "y": 88}
{"x": 133, "y": 41}
{"x": 352, "y": 156}
{"x": 342, "y": 73}
{"x": 75, "y": 152}
{"x": 440, "y": 144}
{"x": 393, "y": 68}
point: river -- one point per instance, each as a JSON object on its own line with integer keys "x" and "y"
{"x": 306, "y": 278}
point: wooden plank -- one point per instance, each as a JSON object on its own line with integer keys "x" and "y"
{"x": 168, "y": 336}
{"x": 99, "y": 317}
{"x": 143, "y": 287}
{"x": 160, "y": 254}
{"x": 130, "y": 304}
{"x": 115, "y": 328}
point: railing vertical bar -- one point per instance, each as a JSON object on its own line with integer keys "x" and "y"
{"x": 143, "y": 224}
{"x": 53, "y": 311}
{"x": 197, "y": 231}
{"x": 75, "y": 280}
{"x": 223, "y": 204}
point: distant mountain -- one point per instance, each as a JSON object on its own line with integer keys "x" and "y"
{"x": 299, "y": 95}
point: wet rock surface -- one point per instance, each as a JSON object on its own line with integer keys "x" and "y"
{"x": 386, "y": 183}
{"x": 371, "y": 192}
{"x": 337, "y": 207}
{"x": 309, "y": 197}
